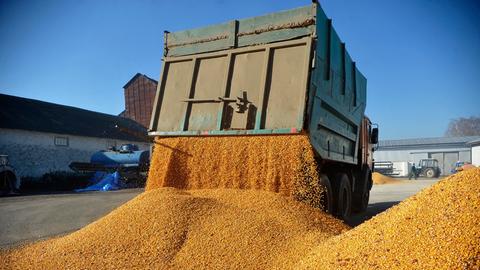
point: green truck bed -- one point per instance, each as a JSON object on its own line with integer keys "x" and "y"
{"x": 283, "y": 73}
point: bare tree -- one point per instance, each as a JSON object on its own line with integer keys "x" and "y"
{"x": 464, "y": 127}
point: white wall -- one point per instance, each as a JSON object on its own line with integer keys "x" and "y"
{"x": 35, "y": 153}
{"x": 415, "y": 155}
{"x": 476, "y": 155}
{"x": 381, "y": 155}
{"x": 406, "y": 155}
{"x": 399, "y": 155}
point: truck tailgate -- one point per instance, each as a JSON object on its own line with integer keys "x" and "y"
{"x": 250, "y": 90}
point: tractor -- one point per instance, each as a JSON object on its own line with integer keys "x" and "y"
{"x": 428, "y": 168}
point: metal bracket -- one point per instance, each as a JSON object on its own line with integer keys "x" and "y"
{"x": 242, "y": 103}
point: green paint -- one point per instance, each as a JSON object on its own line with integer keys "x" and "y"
{"x": 337, "y": 89}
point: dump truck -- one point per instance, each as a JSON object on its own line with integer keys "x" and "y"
{"x": 283, "y": 73}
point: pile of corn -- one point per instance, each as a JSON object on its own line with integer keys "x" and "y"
{"x": 247, "y": 227}
{"x": 439, "y": 228}
{"x": 380, "y": 179}
{"x": 283, "y": 164}
{"x": 198, "y": 229}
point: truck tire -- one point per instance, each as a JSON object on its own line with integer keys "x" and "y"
{"x": 343, "y": 197}
{"x": 327, "y": 196}
{"x": 430, "y": 173}
{"x": 362, "y": 196}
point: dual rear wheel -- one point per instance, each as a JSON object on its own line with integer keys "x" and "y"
{"x": 338, "y": 198}
{"x": 327, "y": 202}
{"x": 343, "y": 191}
{"x": 361, "y": 198}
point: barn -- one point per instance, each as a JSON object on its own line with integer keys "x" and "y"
{"x": 41, "y": 137}
{"x": 475, "y": 144}
{"x": 139, "y": 94}
{"x": 447, "y": 150}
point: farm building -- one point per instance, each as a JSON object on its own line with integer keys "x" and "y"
{"x": 41, "y": 137}
{"x": 139, "y": 93}
{"x": 475, "y": 144}
{"x": 447, "y": 150}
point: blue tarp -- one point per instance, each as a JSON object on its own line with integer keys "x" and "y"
{"x": 104, "y": 182}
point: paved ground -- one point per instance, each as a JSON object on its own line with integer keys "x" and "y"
{"x": 34, "y": 217}
{"x": 385, "y": 196}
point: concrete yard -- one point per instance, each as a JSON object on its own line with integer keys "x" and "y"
{"x": 385, "y": 196}
{"x": 33, "y": 217}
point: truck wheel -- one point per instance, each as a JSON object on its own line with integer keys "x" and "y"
{"x": 430, "y": 173}
{"x": 344, "y": 197}
{"x": 327, "y": 197}
{"x": 360, "y": 199}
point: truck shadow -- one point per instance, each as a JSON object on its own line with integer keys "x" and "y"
{"x": 372, "y": 210}
{"x": 29, "y": 193}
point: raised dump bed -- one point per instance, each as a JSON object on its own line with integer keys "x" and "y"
{"x": 283, "y": 73}
{"x": 280, "y": 73}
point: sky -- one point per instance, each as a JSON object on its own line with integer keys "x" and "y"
{"x": 421, "y": 57}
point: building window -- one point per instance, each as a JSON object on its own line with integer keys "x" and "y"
{"x": 61, "y": 141}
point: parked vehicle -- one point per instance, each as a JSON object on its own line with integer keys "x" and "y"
{"x": 9, "y": 182}
{"x": 384, "y": 167}
{"x": 428, "y": 168}
{"x": 461, "y": 165}
{"x": 128, "y": 160}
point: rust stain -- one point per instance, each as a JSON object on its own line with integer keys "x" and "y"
{"x": 220, "y": 37}
{"x": 289, "y": 25}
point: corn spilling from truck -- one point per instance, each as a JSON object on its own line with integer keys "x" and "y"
{"x": 251, "y": 116}
{"x": 272, "y": 77}
{"x": 284, "y": 164}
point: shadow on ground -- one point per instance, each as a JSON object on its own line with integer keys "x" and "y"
{"x": 372, "y": 210}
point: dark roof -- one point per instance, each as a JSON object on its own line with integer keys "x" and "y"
{"x": 427, "y": 142}
{"x": 35, "y": 115}
{"x": 137, "y": 76}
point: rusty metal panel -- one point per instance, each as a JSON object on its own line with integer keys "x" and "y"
{"x": 259, "y": 89}
{"x": 259, "y": 76}
{"x": 287, "y": 86}
{"x": 176, "y": 86}
{"x": 337, "y": 97}
{"x": 246, "y": 78}
{"x": 207, "y": 85}
{"x": 274, "y": 27}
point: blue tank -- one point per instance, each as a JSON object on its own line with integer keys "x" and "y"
{"x": 127, "y": 156}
